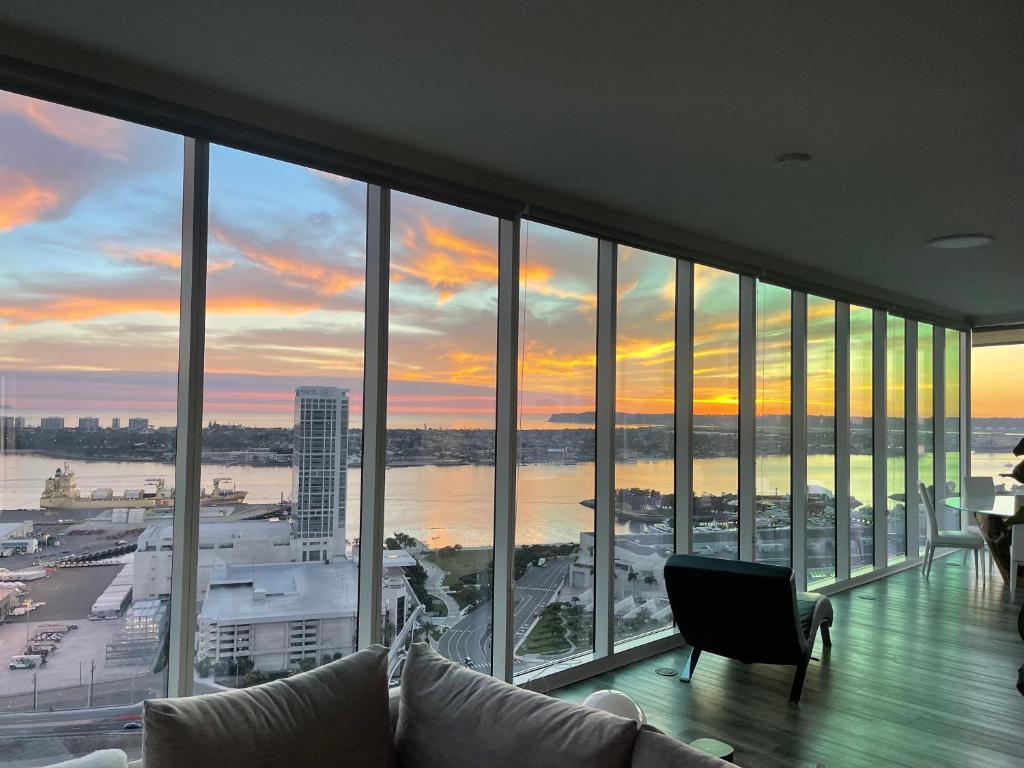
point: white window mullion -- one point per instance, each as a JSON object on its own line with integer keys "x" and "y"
{"x": 375, "y": 388}
{"x": 502, "y": 646}
{"x": 604, "y": 527}
{"x": 842, "y": 426}
{"x": 188, "y": 457}
{"x": 798, "y": 439}
{"x": 748, "y": 414}
{"x": 684, "y": 408}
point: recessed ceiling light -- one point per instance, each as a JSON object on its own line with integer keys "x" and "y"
{"x": 960, "y": 241}
{"x": 793, "y": 160}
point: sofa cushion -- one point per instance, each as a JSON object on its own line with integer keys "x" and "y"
{"x": 335, "y": 715}
{"x": 656, "y": 750}
{"x": 104, "y": 758}
{"x": 451, "y": 717}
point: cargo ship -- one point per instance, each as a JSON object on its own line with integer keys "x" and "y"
{"x": 61, "y": 492}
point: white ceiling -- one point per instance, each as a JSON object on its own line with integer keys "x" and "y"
{"x": 669, "y": 111}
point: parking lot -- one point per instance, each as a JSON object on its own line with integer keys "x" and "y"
{"x": 68, "y": 666}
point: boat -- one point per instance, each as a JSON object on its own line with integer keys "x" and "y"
{"x": 640, "y": 505}
{"x": 61, "y": 492}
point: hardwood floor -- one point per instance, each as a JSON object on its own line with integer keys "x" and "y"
{"x": 921, "y": 673}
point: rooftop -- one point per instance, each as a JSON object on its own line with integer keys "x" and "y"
{"x": 14, "y": 529}
{"x": 161, "y": 533}
{"x": 280, "y": 592}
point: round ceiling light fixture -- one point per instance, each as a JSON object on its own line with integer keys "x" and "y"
{"x": 793, "y": 160}
{"x": 956, "y": 242}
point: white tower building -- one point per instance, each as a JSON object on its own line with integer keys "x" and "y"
{"x": 320, "y": 472}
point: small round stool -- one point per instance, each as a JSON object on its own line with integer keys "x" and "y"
{"x": 715, "y": 748}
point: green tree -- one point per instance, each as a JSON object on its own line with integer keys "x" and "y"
{"x": 633, "y": 577}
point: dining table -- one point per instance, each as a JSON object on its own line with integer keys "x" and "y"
{"x": 996, "y": 515}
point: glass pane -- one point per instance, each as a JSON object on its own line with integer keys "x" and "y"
{"x": 952, "y": 421}
{"x": 644, "y": 440}
{"x": 895, "y": 439}
{"x": 554, "y": 568}
{"x": 925, "y": 423}
{"x": 821, "y": 441}
{"x": 278, "y": 537}
{"x": 772, "y": 540}
{"x": 90, "y": 255}
{"x": 439, "y": 488}
{"x": 861, "y": 411}
{"x": 716, "y": 342}
{"x": 997, "y": 412}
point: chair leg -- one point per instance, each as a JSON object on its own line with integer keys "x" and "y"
{"x": 929, "y": 553}
{"x": 826, "y": 638}
{"x": 689, "y": 665}
{"x": 977, "y": 570}
{"x": 1013, "y": 580}
{"x": 963, "y": 560}
{"x": 798, "y": 681}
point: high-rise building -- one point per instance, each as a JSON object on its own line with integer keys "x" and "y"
{"x": 319, "y": 472}
{"x": 19, "y": 422}
{"x": 51, "y": 422}
{"x": 115, "y": 423}
{"x": 88, "y": 423}
{"x": 138, "y": 424}
{"x": 8, "y": 432}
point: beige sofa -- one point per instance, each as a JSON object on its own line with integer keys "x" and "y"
{"x": 445, "y": 716}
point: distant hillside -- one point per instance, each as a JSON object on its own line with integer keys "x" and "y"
{"x": 634, "y": 419}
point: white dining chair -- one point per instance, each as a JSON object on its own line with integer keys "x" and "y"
{"x": 950, "y": 539}
{"x": 977, "y": 487}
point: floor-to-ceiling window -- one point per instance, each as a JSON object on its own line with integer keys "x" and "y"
{"x": 773, "y": 512}
{"x": 997, "y": 413}
{"x": 90, "y": 255}
{"x": 282, "y": 405}
{"x": 821, "y": 440}
{"x": 439, "y": 486}
{"x": 554, "y": 557}
{"x": 861, "y": 420}
{"x": 90, "y": 229}
{"x": 925, "y": 422}
{"x": 644, "y": 440}
{"x": 716, "y": 300}
{"x": 895, "y": 437}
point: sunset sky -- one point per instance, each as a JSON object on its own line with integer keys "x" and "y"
{"x": 90, "y": 227}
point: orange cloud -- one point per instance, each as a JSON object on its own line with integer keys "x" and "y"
{"x": 22, "y": 201}
{"x": 445, "y": 260}
{"x": 105, "y": 135}
{"x": 325, "y": 280}
{"x": 171, "y": 259}
{"x": 79, "y": 308}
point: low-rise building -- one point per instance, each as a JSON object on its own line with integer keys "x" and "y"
{"x": 220, "y": 544}
{"x": 279, "y": 614}
{"x": 17, "y": 536}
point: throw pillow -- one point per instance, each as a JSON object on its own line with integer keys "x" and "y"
{"x": 452, "y": 717}
{"x": 335, "y": 715}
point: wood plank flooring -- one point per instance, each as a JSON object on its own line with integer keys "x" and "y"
{"x": 921, "y": 673}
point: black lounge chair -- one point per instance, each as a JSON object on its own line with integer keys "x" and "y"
{"x": 750, "y": 612}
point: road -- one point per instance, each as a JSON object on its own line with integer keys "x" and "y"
{"x": 26, "y": 725}
{"x": 469, "y": 640}
{"x": 435, "y": 587}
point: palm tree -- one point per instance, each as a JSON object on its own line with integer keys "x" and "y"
{"x": 650, "y": 580}
{"x": 632, "y": 577}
